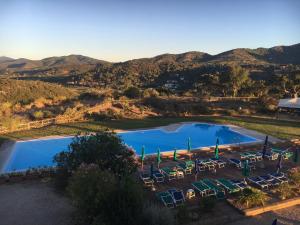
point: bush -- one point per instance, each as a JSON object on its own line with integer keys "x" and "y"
{"x": 284, "y": 191}
{"x": 294, "y": 176}
{"x": 132, "y": 92}
{"x": 104, "y": 199}
{"x": 251, "y": 197}
{"x": 156, "y": 215}
{"x": 207, "y": 204}
{"x": 150, "y": 92}
{"x": 105, "y": 149}
{"x": 38, "y": 115}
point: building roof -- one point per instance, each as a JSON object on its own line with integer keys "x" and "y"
{"x": 289, "y": 103}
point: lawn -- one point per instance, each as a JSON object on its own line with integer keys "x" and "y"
{"x": 278, "y": 128}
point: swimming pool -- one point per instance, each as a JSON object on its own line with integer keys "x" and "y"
{"x": 39, "y": 153}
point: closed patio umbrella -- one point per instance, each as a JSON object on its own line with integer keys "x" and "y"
{"x": 151, "y": 170}
{"x": 217, "y": 149}
{"x": 175, "y": 155}
{"x": 264, "y": 151}
{"x": 143, "y": 156}
{"x": 189, "y": 147}
{"x": 158, "y": 157}
{"x": 296, "y": 156}
{"x": 279, "y": 164}
{"x": 246, "y": 169}
{"x": 196, "y": 169}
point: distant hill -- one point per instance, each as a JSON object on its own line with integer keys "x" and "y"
{"x": 71, "y": 61}
{"x": 5, "y": 59}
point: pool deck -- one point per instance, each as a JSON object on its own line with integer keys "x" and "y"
{"x": 7, "y": 146}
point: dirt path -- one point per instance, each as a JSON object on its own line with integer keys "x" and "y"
{"x": 33, "y": 203}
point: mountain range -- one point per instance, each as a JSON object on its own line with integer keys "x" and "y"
{"x": 274, "y": 55}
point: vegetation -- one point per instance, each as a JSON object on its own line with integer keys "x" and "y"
{"x": 105, "y": 149}
{"x": 285, "y": 191}
{"x": 277, "y": 128}
{"x": 294, "y": 175}
{"x": 100, "y": 182}
{"x": 25, "y": 92}
{"x": 251, "y": 197}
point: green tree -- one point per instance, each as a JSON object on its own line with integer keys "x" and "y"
{"x": 234, "y": 79}
{"x": 102, "y": 198}
{"x": 104, "y": 149}
{"x": 132, "y": 92}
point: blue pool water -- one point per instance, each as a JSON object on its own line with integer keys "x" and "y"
{"x": 39, "y": 153}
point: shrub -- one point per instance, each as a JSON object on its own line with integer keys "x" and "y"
{"x": 150, "y": 92}
{"x": 12, "y": 122}
{"x": 105, "y": 149}
{"x": 132, "y": 92}
{"x": 207, "y": 204}
{"x": 38, "y": 115}
{"x": 294, "y": 176}
{"x": 284, "y": 191}
{"x": 251, "y": 197}
{"x": 156, "y": 215}
{"x": 104, "y": 199}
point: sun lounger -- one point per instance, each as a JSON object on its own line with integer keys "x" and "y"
{"x": 166, "y": 198}
{"x": 185, "y": 168}
{"x": 220, "y": 163}
{"x": 146, "y": 179}
{"x": 171, "y": 174}
{"x": 235, "y": 162}
{"x": 280, "y": 176}
{"x": 261, "y": 183}
{"x": 189, "y": 163}
{"x": 202, "y": 188}
{"x": 242, "y": 184}
{"x": 219, "y": 192}
{"x": 271, "y": 180}
{"x": 158, "y": 176}
{"x": 228, "y": 185}
{"x": 178, "y": 197}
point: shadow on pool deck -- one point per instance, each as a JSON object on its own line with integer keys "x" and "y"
{"x": 33, "y": 203}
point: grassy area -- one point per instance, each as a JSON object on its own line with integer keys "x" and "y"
{"x": 278, "y": 128}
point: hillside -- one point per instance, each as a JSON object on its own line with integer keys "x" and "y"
{"x": 27, "y": 91}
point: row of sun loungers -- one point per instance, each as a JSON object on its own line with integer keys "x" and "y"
{"x": 269, "y": 180}
{"x": 220, "y": 187}
{"x": 238, "y": 163}
{"x": 210, "y": 164}
{"x": 172, "y": 198}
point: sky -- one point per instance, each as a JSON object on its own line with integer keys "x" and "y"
{"x": 119, "y": 30}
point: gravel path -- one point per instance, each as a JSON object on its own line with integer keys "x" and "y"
{"x": 33, "y": 203}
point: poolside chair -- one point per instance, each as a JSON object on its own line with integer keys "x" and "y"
{"x": 145, "y": 177}
{"x": 218, "y": 191}
{"x": 171, "y": 174}
{"x": 189, "y": 163}
{"x": 287, "y": 155}
{"x": 261, "y": 183}
{"x": 178, "y": 197}
{"x": 280, "y": 176}
{"x": 166, "y": 198}
{"x": 241, "y": 183}
{"x": 158, "y": 176}
{"x": 220, "y": 163}
{"x": 202, "y": 188}
{"x": 185, "y": 168}
{"x": 271, "y": 180}
{"x": 228, "y": 185}
{"x": 235, "y": 162}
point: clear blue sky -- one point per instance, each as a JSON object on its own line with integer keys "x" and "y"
{"x": 118, "y": 30}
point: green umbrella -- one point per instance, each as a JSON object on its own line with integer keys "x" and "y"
{"x": 158, "y": 157}
{"x": 175, "y": 155}
{"x": 246, "y": 169}
{"x": 189, "y": 147}
{"x": 217, "y": 149}
{"x": 143, "y": 156}
{"x": 296, "y": 156}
